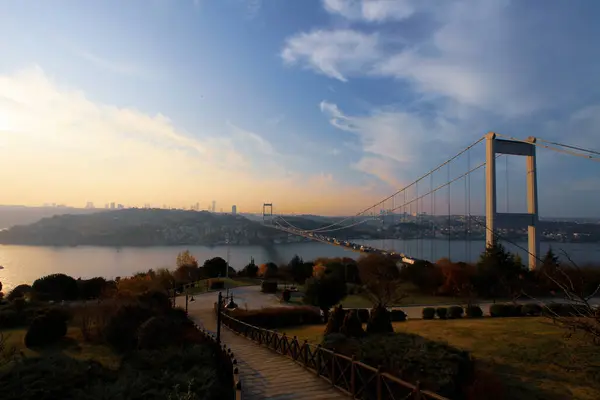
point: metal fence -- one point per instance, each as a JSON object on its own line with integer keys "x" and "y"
{"x": 356, "y": 379}
{"x": 228, "y": 360}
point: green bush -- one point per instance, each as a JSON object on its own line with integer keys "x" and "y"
{"x": 437, "y": 366}
{"x": 428, "y": 313}
{"x": 121, "y": 330}
{"x": 379, "y": 321}
{"x": 46, "y": 329}
{"x": 341, "y": 344}
{"x": 474, "y": 312}
{"x": 286, "y": 295}
{"x": 532, "y": 309}
{"x": 278, "y": 317}
{"x": 55, "y": 287}
{"x": 455, "y": 312}
{"x": 441, "y": 312}
{"x": 155, "y": 300}
{"x": 397, "y": 316}
{"x": 11, "y": 319}
{"x": 268, "y": 287}
{"x": 159, "y": 332}
{"x": 500, "y": 310}
{"x": 335, "y": 321}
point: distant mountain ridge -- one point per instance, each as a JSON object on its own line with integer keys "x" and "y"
{"x": 141, "y": 227}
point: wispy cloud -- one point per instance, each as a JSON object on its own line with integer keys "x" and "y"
{"x": 117, "y": 67}
{"x": 371, "y": 10}
{"x": 276, "y": 120}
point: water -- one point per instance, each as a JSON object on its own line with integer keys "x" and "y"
{"x": 24, "y": 264}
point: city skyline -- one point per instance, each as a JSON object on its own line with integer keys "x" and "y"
{"x": 323, "y": 107}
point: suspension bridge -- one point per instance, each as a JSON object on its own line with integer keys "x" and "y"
{"x": 445, "y": 204}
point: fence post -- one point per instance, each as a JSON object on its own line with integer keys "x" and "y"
{"x": 332, "y": 372}
{"x": 417, "y": 391}
{"x": 305, "y": 353}
{"x": 318, "y": 360}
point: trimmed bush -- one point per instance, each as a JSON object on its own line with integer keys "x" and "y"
{"x": 352, "y": 327}
{"x": 428, "y": 313}
{"x": 397, "y": 316}
{"x": 474, "y": 312}
{"x": 379, "y": 321}
{"x": 216, "y": 284}
{"x": 532, "y": 309}
{"x": 363, "y": 315}
{"x": 46, "y": 329}
{"x": 286, "y": 295}
{"x": 500, "y": 310}
{"x": 515, "y": 310}
{"x": 441, "y": 312}
{"x": 455, "y": 312}
{"x": 335, "y": 321}
{"x": 268, "y": 287}
{"x": 341, "y": 343}
{"x": 278, "y": 317}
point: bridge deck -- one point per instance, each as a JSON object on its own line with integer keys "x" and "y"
{"x": 266, "y": 374}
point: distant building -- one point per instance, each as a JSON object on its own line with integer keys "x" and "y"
{"x": 234, "y": 210}
{"x": 120, "y": 206}
{"x": 214, "y": 206}
{"x": 112, "y": 205}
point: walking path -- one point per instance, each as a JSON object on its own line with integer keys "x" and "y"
{"x": 264, "y": 373}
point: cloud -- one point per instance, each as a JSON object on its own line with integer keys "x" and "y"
{"x": 371, "y": 10}
{"x": 276, "y": 120}
{"x": 59, "y": 146}
{"x": 332, "y": 53}
{"x": 121, "y": 68}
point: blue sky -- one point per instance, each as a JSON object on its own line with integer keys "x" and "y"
{"x": 315, "y": 105}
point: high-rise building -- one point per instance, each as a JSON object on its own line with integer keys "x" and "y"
{"x": 234, "y": 210}
{"x": 120, "y": 206}
{"x": 214, "y": 206}
{"x": 112, "y": 205}
{"x": 89, "y": 205}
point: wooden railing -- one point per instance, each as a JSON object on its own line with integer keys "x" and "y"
{"x": 228, "y": 360}
{"x": 356, "y": 379}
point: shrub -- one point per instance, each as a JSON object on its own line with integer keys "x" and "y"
{"x": 437, "y": 366}
{"x": 159, "y": 332}
{"x": 341, "y": 344}
{"x": 335, "y": 321}
{"x": 11, "y": 319}
{"x": 215, "y": 284}
{"x": 474, "y": 312}
{"x": 19, "y": 291}
{"x": 324, "y": 292}
{"x": 268, "y": 287}
{"x": 441, "y": 312}
{"x": 286, "y": 295}
{"x": 155, "y": 300}
{"x": 46, "y": 329}
{"x": 455, "y": 312}
{"x": 379, "y": 321}
{"x": 363, "y": 315}
{"x": 352, "y": 327}
{"x": 18, "y": 304}
{"x": 397, "y": 316}
{"x": 515, "y": 310}
{"x": 55, "y": 287}
{"x": 121, "y": 330}
{"x": 428, "y": 313}
{"x": 278, "y": 317}
{"x": 500, "y": 310}
{"x": 532, "y": 309}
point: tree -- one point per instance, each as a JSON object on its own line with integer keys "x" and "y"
{"x": 55, "y": 287}
{"x": 186, "y": 258}
{"x": 381, "y": 277}
{"x": 251, "y": 270}
{"x": 300, "y": 270}
{"x": 19, "y": 291}
{"x": 1, "y": 294}
{"x": 324, "y": 293}
{"x": 497, "y": 272}
{"x": 91, "y": 288}
{"x": 215, "y": 267}
{"x": 268, "y": 270}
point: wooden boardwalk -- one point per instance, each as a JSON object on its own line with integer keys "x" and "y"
{"x": 266, "y": 374}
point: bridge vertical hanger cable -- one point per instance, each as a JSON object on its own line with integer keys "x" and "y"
{"x": 506, "y": 173}
{"x": 465, "y": 221}
{"x": 393, "y": 224}
{"x": 468, "y": 255}
{"x": 418, "y": 252}
{"x": 403, "y": 230}
{"x": 449, "y": 230}
{"x": 431, "y": 220}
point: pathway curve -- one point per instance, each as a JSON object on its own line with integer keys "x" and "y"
{"x": 264, "y": 373}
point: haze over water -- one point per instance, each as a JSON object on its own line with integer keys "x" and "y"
{"x": 24, "y": 264}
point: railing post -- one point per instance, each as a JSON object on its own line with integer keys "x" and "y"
{"x": 332, "y": 372}
{"x": 379, "y": 386}
{"x": 353, "y": 376}
{"x": 417, "y": 392}
{"x": 219, "y": 318}
{"x": 305, "y": 353}
{"x": 318, "y": 360}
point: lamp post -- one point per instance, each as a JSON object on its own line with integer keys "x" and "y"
{"x": 219, "y": 301}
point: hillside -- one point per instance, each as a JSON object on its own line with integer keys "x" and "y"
{"x": 141, "y": 227}
{"x": 21, "y": 215}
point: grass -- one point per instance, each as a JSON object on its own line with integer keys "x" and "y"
{"x": 71, "y": 345}
{"x": 531, "y": 356}
{"x": 230, "y": 283}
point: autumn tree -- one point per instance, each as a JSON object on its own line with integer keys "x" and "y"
{"x": 381, "y": 277}
{"x": 268, "y": 270}
{"x": 185, "y": 258}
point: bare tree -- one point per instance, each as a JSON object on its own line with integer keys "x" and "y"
{"x": 381, "y": 277}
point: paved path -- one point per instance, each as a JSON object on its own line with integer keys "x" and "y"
{"x": 264, "y": 373}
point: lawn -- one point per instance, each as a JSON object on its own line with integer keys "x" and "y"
{"x": 230, "y": 283}
{"x": 531, "y": 356}
{"x": 71, "y": 345}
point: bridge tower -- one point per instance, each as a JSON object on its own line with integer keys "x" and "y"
{"x": 495, "y": 219}
{"x": 267, "y": 213}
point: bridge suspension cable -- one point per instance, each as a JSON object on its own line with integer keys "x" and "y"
{"x": 322, "y": 229}
{"x": 550, "y": 144}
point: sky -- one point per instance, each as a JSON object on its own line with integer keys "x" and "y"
{"x": 316, "y": 106}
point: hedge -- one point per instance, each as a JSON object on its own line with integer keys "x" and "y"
{"x": 268, "y": 287}
{"x": 441, "y": 312}
{"x": 397, "y": 316}
{"x": 474, "y": 312}
{"x": 455, "y": 312}
{"x": 428, "y": 313}
{"x": 278, "y": 317}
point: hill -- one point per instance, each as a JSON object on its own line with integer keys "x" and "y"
{"x": 141, "y": 227}
{"x": 20, "y": 215}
